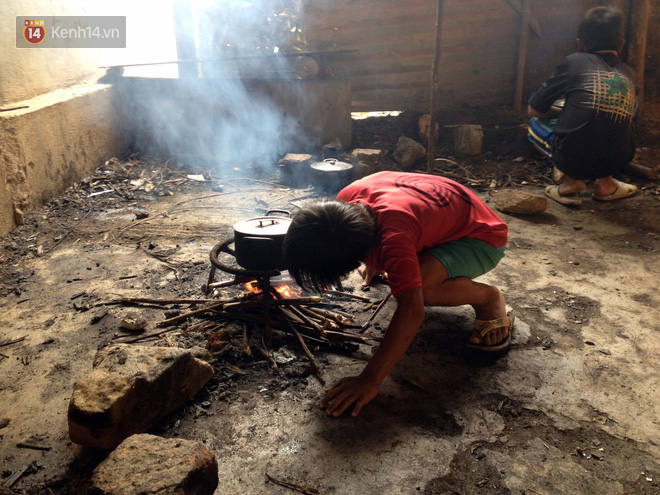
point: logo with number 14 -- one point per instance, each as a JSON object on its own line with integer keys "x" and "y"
{"x": 34, "y": 31}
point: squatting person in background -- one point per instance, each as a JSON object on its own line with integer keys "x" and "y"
{"x": 592, "y": 136}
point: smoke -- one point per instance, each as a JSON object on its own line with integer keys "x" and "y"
{"x": 243, "y": 109}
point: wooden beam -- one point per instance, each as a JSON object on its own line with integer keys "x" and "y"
{"x": 640, "y": 11}
{"x": 434, "y": 87}
{"x": 522, "y": 55}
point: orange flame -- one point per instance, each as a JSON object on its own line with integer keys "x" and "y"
{"x": 253, "y": 287}
{"x": 285, "y": 290}
{"x": 288, "y": 291}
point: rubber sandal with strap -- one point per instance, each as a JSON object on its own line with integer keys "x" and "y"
{"x": 568, "y": 200}
{"x": 623, "y": 190}
{"x": 486, "y": 326}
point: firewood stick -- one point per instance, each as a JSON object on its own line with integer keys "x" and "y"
{"x": 380, "y": 306}
{"x": 318, "y": 319}
{"x": 10, "y": 342}
{"x": 292, "y": 316}
{"x": 278, "y": 302}
{"x": 348, "y": 316}
{"x": 348, "y": 294}
{"x": 277, "y": 324}
{"x": 148, "y": 336}
{"x": 166, "y": 302}
{"x": 246, "y": 345}
{"x": 267, "y": 355}
{"x": 185, "y": 316}
{"x": 371, "y": 305}
{"x": 268, "y": 328}
{"x": 321, "y": 320}
{"x": 306, "y": 490}
{"x": 351, "y": 337}
{"x": 641, "y": 171}
{"x": 241, "y": 316}
{"x": 310, "y": 356}
{"x": 337, "y": 317}
{"x": 308, "y": 331}
{"x": 317, "y": 329}
{"x": 25, "y": 445}
{"x": 300, "y": 300}
{"x": 301, "y": 313}
{"x": 225, "y": 283}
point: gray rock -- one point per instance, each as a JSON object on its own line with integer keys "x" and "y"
{"x": 148, "y": 464}
{"x": 516, "y": 201}
{"x": 468, "y": 139}
{"x": 407, "y": 152}
{"x": 294, "y": 169}
{"x": 129, "y": 389}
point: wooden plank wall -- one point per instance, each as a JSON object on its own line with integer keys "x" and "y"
{"x": 395, "y": 42}
{"x": 652, "y": 66}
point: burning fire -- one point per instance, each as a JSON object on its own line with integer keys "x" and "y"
{"x": 284, "y": 290}
{"x": 288, "y": 291}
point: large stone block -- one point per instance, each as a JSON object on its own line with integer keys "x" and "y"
{"x": 294, "y": 169}
{"x": 129, "y": 389}
{"x": 148, "y": 464}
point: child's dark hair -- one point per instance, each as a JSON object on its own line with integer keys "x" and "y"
{"x": 601, "y": 29}
{"x": 326, "y": 241}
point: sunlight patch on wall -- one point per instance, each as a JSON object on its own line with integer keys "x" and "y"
{"x": 366, "y": 115}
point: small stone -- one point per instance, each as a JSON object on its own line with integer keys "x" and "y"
{"x": 99, "y": 315}
{"x": 521, "y": 202}
{"x": 19, "y": 216}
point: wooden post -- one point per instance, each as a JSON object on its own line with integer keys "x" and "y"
{"x": 640, "y": 11}
{"x": 434, "y": 87}
{"x": 522, "y": 55}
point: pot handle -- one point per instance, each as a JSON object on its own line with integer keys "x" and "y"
{"x": 286, "y": 212}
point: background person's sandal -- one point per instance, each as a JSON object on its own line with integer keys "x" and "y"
{"x": 623, "y": 190}
{"x": 569, "y": 200}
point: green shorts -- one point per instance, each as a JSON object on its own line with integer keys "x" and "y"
{"x": 467, "y": 257}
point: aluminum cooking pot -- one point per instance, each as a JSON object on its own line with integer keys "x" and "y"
{"x": 331, "y": 175}
{"x": 258, "y": 241}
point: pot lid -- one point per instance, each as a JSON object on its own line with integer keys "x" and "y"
{"x": 263, "y": 226}
{"x": 331, "y": 165}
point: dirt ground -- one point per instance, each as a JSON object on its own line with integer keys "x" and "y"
{"x": 574, "y": 407}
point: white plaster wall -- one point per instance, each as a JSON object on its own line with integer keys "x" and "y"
{"x": 26, "y": 73}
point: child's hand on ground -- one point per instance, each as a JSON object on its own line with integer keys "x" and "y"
{"x": 347, "y": 391}
{"x": 368, "y": 275}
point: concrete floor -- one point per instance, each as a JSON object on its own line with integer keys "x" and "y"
{"x": 573, "y": 408}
